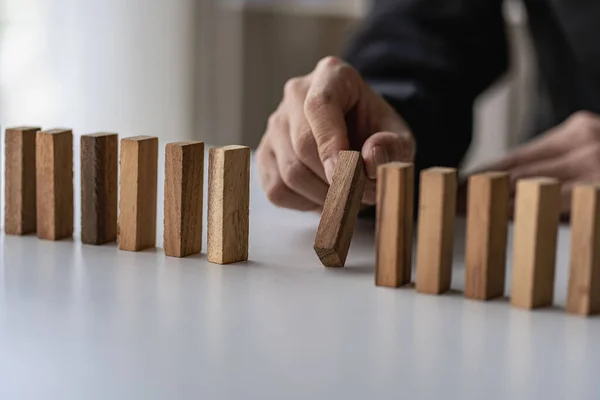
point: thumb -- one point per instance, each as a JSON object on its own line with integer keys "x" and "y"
{"x": 384, "y": 147}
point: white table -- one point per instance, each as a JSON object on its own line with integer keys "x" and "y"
{"x": 86, "y": 322}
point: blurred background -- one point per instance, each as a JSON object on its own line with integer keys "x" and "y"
{"x": 210, "y": 70}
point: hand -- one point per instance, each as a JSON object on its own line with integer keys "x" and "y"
{"x": 329, "y": 110}
{"x": 569, "y": 152}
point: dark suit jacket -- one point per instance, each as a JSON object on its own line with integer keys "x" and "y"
{"x": 431, "y": 58}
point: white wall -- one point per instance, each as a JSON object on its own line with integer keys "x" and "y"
{"x": 126, "y": 66}
{"x": 118, "y": 65}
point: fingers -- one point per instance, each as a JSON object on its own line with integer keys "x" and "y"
{"x": 546, "y": 147}
{"x": 303, "y": 141}
{"x": 384, "y": 147}
{"x": 294, "y": 174}
{"x": 335, "y": 90}
{"x": 277, "y": 191}
{"x": 560, "y": 168}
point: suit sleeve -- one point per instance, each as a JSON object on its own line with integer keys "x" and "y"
{"x": 430, "y": 59}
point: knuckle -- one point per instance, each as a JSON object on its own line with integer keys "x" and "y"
{"x": 316, "y": 101}
{"x": 330, "y": 62}
{"x": 292, "y": 172}
{"x": 275, "y": 121}
{"x": 303, "y": 144}
{"x": 582, "y": 116}
{"x": 292, "y": 86}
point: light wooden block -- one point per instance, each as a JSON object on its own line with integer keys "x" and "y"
{"x": 340, "y": 210}
{"x": 137, "y": 204}
{"x": 584, "y": 278}
{"x": 184, "y": 180}
{"x": 537, "y": 213}
{"x": 99, "y": 187}
{"x": 228, "y": 204}
{"x": 394, "y": 231}
{"x": 435, "y": 240}
{"x": 54, "y": 184}
{"x": 487, "y": 226}
{"x": 19, "y": 180}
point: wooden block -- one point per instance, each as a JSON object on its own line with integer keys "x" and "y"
{"x": 340, "y": 210}
{"x": 435, "y": 238}
{"x": 228, "y": 204}
{"x": 19, "y": 180}
{"x": 487, "y": 226}
{"x": 537, "y": 213}
{"x": 99, "y": 180}
{"x": 54, "y": 184}
{"x": 394, "y": 232}
{"x": 137, "y": 204}
{"x": 184, "y": 181}
{"x": 584, "y": 278}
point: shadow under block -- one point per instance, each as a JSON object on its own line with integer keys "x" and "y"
{"x": 183, "y": 191}
{"x": 537, "y": 212}
{"x": 435, "y": 238}
{"x": 487, "y": 226}
{"x": 19, "y": 180}
{"x": 137, "y": 204}
{"x": 54, "y": 184}
{"x": 340, "y": 210}
{"x": 99, "y": 185}
{"x": 394, "y": 232}
{"x": 228, "y": 204}
{"x": 584, "y": 278}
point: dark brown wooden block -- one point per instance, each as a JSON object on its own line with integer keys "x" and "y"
{"x": 99, "y": 187}
{"x": 184, "y": 181}
{"x": 340, "y": 210}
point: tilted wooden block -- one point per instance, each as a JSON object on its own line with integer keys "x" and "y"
{"x": 137, "y": 204}
{"x": 54, "y": 184}
{"x": 394, "y": 232}
{"x": 487, "y": 226}
{"x": 184, "y": 180}
{"x": 435, "y": 236}
{"x": 99, "y": 181}
{"x": 228, "y": 204}
{"x": 584, "y": 278}
{"x": 19, "y": 180}
{"x": 340, "y": 210}
{"x": 537, "y": 213}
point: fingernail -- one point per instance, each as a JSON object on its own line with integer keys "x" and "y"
{"x": 329, "y": 165}
{"x": 380, "y": 156}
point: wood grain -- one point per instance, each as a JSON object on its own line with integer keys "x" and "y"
{"x": 54, "y": 184}
{"x": 537, "y": 213}
{"x": 19, "y": 180}
{"x": 340, "y": 210}
{"x": 487, "y": 226}
{"x": 435, "y": 238}
{"x": 137, "y": 204}
{"x": 99, "y": 187}
{"x": 183, "y": 191}
{"x": 394, "y": 230}
{"x": 584, "y": 277}
{"x": 228, "y": 204}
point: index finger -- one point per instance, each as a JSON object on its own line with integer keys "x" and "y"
{"x": 334, "y": 91}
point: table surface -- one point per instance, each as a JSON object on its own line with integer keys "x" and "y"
{"x": 93, "y": 322}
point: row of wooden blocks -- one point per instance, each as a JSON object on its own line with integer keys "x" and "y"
{"x": 39, "y": 192}
{"x": 536, "y": 220}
